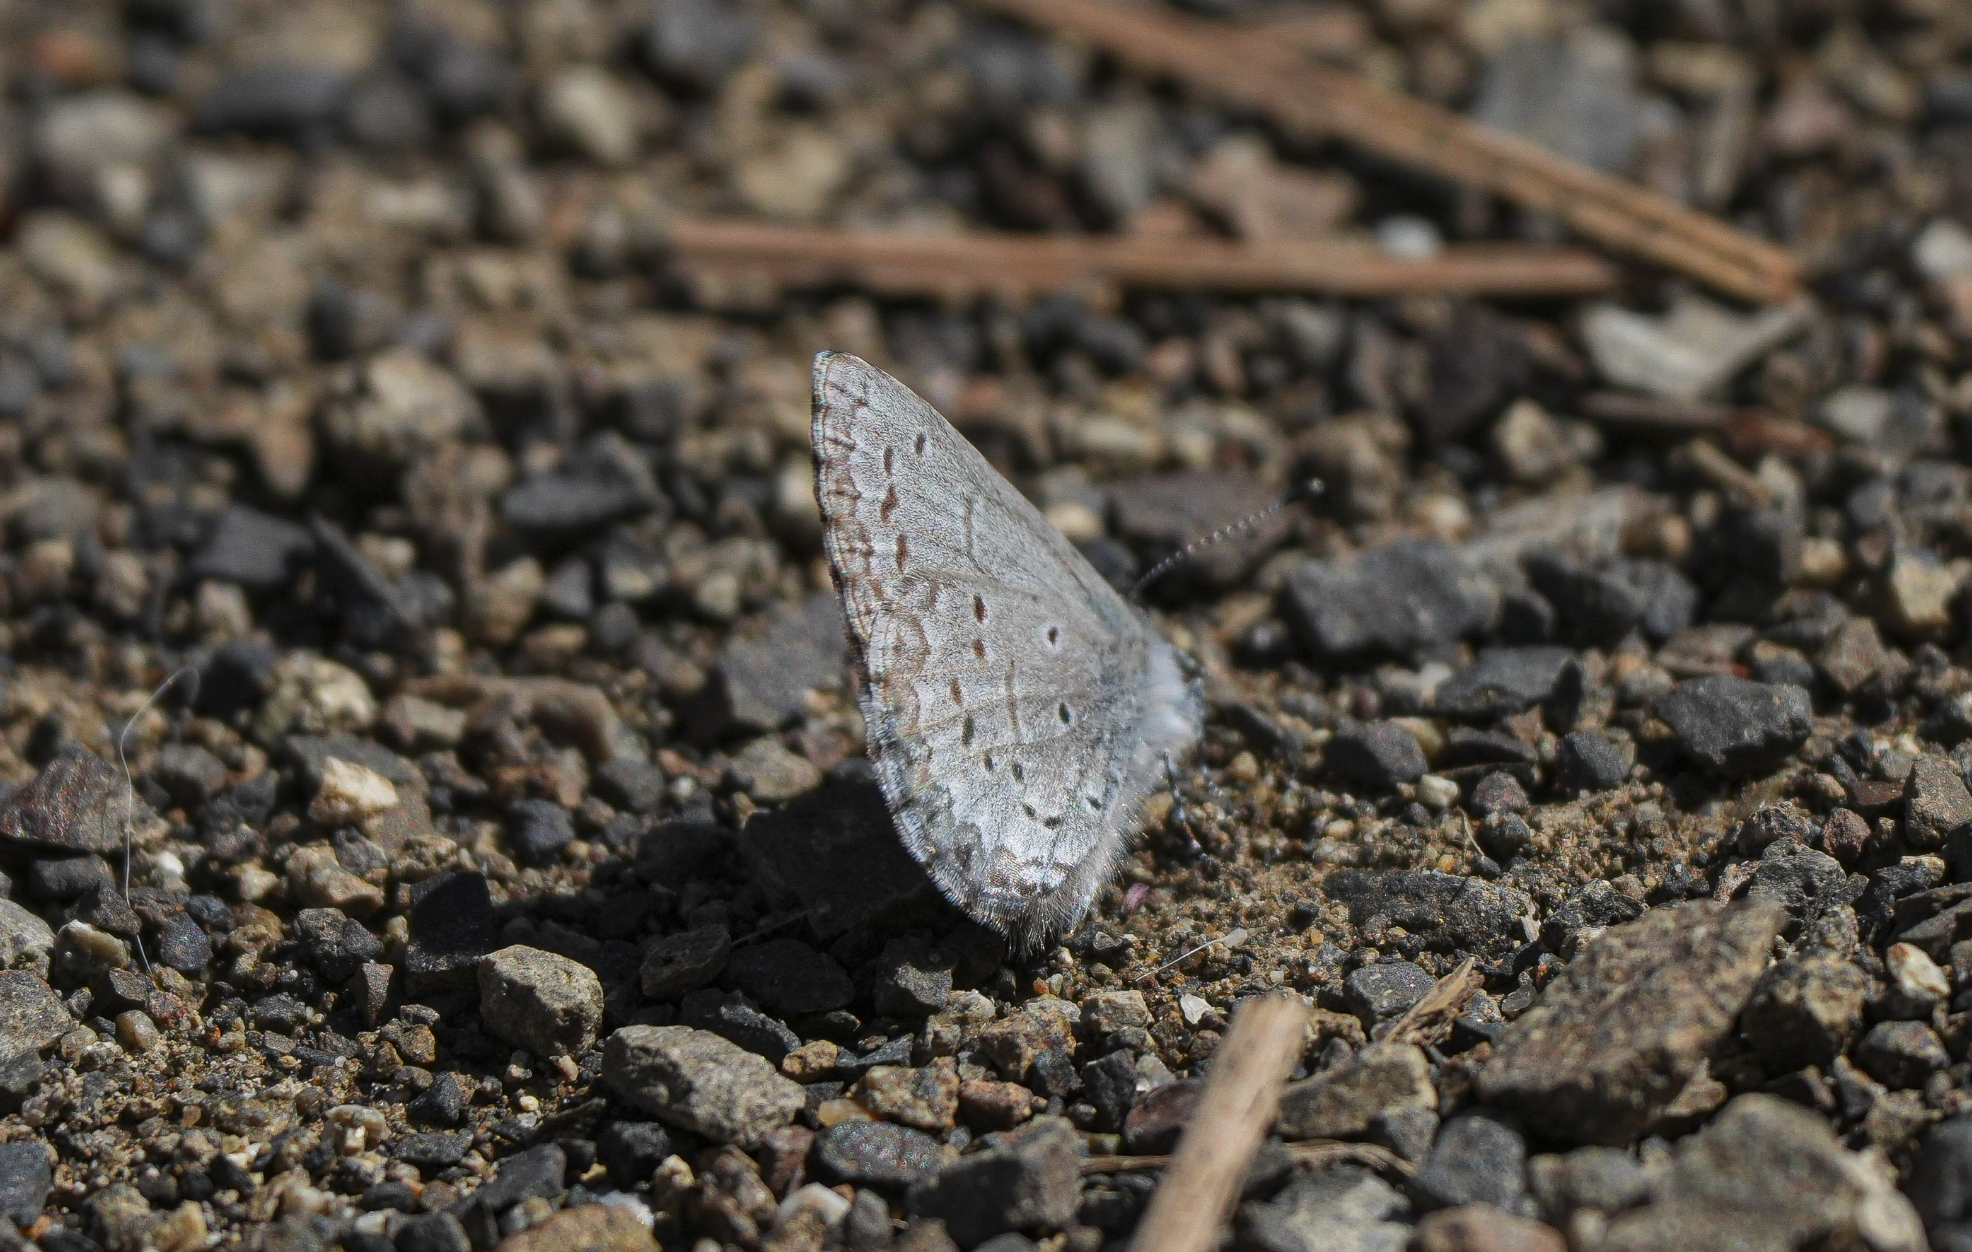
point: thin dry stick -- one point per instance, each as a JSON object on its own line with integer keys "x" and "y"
{"x": 1238, "y": 1105}
{"x": 1272, "y": 77}
{"x": 1430, "y": 1019}
{"x": 897, "y": 263}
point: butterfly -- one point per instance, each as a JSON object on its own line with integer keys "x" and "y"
{"x": 1017, "y": 709}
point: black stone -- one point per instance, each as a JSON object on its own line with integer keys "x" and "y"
{"x": 371, "y": 612}
{"x": 277, "y": 101}
{"x": 1501, "y": 681}
{"x": 1588, "y": 760}
{"x": 75, "y": 804}
{"x": 235, "y": 677}
{"x": 694, "y": 44}
{"x": 630, "y": 783}
{"x": 433, "y": 1232}
{"x": 1939, "y": 1183}
{"x": 603, "y": 481}
{"x": 189, "y": 774}
{"x": 759, "y": 685}
{"x": 1478, "y": 1158}
{"x": 1735, "y": 727}
{"x": 1593, "y": 908}
{"x": 876, "y": 1154}
{"x": 787, "y": 977}
{"x": 444, "y": 1103}
{"x": 1600, "y": 606}
{"x": 182, "y": 945}
{"x": 1413, "y": 594}
{"x": 632, "y": 1151}
{"x": 1384, "y": 989}
{"x": 1375, "y": 754}
{"x": 1109, "y": 1085}
{"x": 908, "y": 987}
{"x": 730, "y": 1016}
{"x": 26, "y": 1177}
{"x": 431, "y": 1149}
{"x": 336, "y": 945}
{"x": 536, "y": 1172}
{"x": 452, "y": 926}
{"x": 538, "y": 830}
{"x": 1901, "y": 1054}
{"x": 257, "y": 550}
{"x": 68, "y": 877}
{"x": 1447, "y": 912}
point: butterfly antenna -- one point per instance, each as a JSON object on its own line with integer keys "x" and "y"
{"x": 130, "y": 787}
{"x": 1306, "y": 491}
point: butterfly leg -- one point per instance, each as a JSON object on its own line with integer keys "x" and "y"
{"x": 1178, "y": 807}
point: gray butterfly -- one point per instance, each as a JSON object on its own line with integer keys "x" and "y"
{"x": 1018, "y": 710}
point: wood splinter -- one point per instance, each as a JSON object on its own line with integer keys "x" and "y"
{"x": 1234, "y": 1113}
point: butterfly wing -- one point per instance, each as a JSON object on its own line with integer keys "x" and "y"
{"x": 1018, "y": 710}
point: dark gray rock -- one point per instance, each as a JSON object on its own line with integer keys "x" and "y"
{"x": 444, "y": 1103}
{"x": 536, "y": 1172}
{"x": 787, "y": 977}
{"x": 428, "y": 1232}
{"x": 1344, "y": 1208}
{"x": 1498, "y": 793}
{"x": 538, "y": 830}
{"x": 1412, "y": 594}
{"x": 632, "y": 1151}
{"x": 1589, "y": 760}
{"x": 1901, "y": 1054}
{"x": 1601, "y": 605}
{"x": 603, "y": 481}
{"x": 877, "y": 1154}
{"x": 1448, "y": 912}
{"x": 1584, "y": 915}
{"x": 695, "y": 44}
{"x": 1501, "y": 681}
{"x": 452, "y": 926}
{"x": 257, "y": 550}
{"x": 67, "y": 877}
{"x": 1347, "y": 1100}
{"x": 1109, "y": 1085}
{"x": 1160, "y": 514}
{"x": 1615, "y": 1037}
{"x": 1607, "y": 1179}
{"x": 909, "y": 984}
{"x": 629, "y": 783}
{"x": 728, "y": 1015}
{"x": 276, "y": 101}
{"x": 1025, "y": 1179}
{"x": 1384, "y": 989}
{"x": 430, "y": 1149}
{"x": 189, "y": 774}
{"x": 759, "y": 685}
{"x": 1804, "y": 1011}
{"x": 1767, "y": 1174}
{"x": 1808, "y": 884}
{"x": 26, "y": 1177}
{"x": 75, "y": 804}
{"x": 1939, "y": 1183}
{"x": 335, "y": 944}
{"x": 181, "y": 945}
{"x": 1381, "y": 755}
{"x": 685, "y": 961}
{"x": 1478, "y": 1158}
{"x": 1735, "y": 727}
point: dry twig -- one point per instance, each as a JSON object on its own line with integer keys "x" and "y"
{"x": 1234, "y": 1113}
{"x": 1271, "y": 76}
{"x": 1430, "y": 1019}
{"x": 1019, "y": 265}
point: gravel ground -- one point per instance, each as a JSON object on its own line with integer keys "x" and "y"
{"x": 505, "y": 867}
